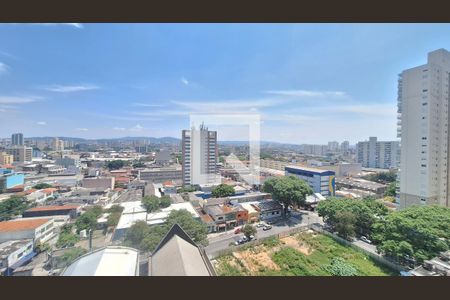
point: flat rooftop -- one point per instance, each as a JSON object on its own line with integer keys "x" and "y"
{"x": 109, "y": 261}
{"x": 307, "y": 169}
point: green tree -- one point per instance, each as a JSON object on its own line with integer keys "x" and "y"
{"x": 66, "y": 237}
{"x": 382, "y": 177}
{"x": 248, "y": 230}
{"x": 186, "y": 189}
{"x": 151, "y": 203}
{"x": 13, "y": 206}
{"x": 164, "y": 201}
{"x": 288, "y": 190}
{"x": 113, "y": 219}
{"x": 87, "y": 221}
{"x": 115, "y": 164}
{"x": 222, "y": 190}
{"x": 41, "y": 186}
{"x": 196, "y": 229}
{"x": 138, "y": 164}
{"x": 390, "y": 190}
{"x": 115, "y": 209}
{"x": 421, "y": 232}
{"x": 97, "y": 210}
{"x": 136, "y": 233}
{"x": 141, "y": 236}
{"x": 367, "y": 211}
{"x": 345, "y": 224}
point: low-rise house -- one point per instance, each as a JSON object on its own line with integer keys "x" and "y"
{"x": 438, "y": 266}
{"x": 39, "y": 230}
{"x": 269, "y": 209}
{"x": 252, "y": 212}
{"x": 14, "y": 254}
{"x": 223, "y": 215}
{"x": 99, "y": 182}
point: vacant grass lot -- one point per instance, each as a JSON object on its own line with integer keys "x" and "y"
{"x": 302, "y": 254}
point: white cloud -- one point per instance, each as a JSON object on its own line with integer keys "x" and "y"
{"x": 42, "y": 123}
{"x": 184, "y": 81}
{"x": 71, "y": 88}
{"x": 119, "y": 128}
{"x": 137, "y": 128}
{"x": 3, "y": 68}
{"x": 307, "y": 93}
{"x": 81, "y": 129}
{"x": 17, "y": 100}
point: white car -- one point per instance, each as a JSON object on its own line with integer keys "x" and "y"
{"x": 366, "y": 240}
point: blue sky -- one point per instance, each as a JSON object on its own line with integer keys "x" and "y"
{"x": 310, "y": 83}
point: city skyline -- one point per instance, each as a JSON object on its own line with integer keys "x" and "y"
{"x": 310, "y": 83}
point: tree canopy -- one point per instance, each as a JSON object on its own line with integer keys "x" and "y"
{"x": 41, "y": 186}
{"x": 116, "y": 164}
{"x": 66, "y": 237}
{"x": 420, "y": 232}
{"x": 288, "y": 190}
{"x": 391, "y": 189}
{"x": 222, "y": 190}
{"x": 13, "y": 206}
{"x": 248, "y": 230}
{"x": 153, "y": 203}
{"x": 87, "y": 221}
{"x": 382, "y": 177}
{"x": 366, "y": 212}
{"x": 146, "y": 238}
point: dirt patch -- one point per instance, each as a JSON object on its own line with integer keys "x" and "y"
{"x": 291, "y": 241}
{"x": 256, "y": 259}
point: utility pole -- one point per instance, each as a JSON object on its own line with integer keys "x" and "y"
{"x": 90, "y": 240}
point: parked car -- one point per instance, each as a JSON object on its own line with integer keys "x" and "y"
{"x": 245, "y": 239}
{"x": 237, "y": 243}
{"x": 267, "y": 227}
{"x": 260, "y": 225}
{"x": 237, "y": 230}
{"x": 251, "y": 238}
{"x": 270, "y": 222}
{"x": 366, "y": 240}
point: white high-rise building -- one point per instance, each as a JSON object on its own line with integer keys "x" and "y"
{"x": 200, "y": 152}
{"x": 375, "y": 154}
{"x": 58, "y": 145}
{"x": 423, "y": 98}
{"x": 333, "y": 146}
{"x": 345, "y": 146}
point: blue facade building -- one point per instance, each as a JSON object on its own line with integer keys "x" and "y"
{"x": 321, "y": 181}
{"x": 9, "y": 180}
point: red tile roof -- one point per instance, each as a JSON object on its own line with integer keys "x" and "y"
{"x": 54, "y": 207}
{"x": 22, "y": 224}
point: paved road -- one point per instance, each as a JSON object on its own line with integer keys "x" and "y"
{"x": 368, "y": 247}
{"x": 298, "y": 219}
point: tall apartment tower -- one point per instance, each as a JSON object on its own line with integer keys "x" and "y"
{"x": 375, "y": 154}
{"x": 58, "y": 145}
{"x": 17, "y": 139}
{"x": 200, "y": 152}
{"x": 423, "y": 98}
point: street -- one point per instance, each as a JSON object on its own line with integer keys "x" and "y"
{"x": 222, "y": 241}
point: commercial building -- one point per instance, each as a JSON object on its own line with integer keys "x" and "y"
{"x": 162, "y": 158}
{"x": 20, "y": 153}
{"x": 199, "y": 152}
{"x": 321, "y": 181}
{"x": 17, "y": 139}
{"x": 269, "y": 209}
{"x": 423, "y": 99}
{"x": 377, "y": 154}
{"x": 377, "y": 189}
{"x": 159, "y": 175}
{"x": 6, "y": 159}
{"x": 39, "y": 230}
